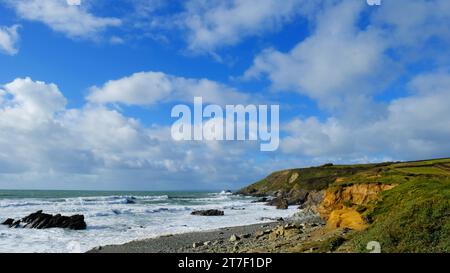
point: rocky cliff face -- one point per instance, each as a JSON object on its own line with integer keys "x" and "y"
{"x": 341, "y": 207}
{"x": 355, "y": 195}
{"x": 406, "y": 202}
{"x": 325, "y": 191}
{"x": 298, "y": 186}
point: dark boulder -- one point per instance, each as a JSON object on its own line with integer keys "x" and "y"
{"x": 260, "y": 200}
{"x": 16, "y": 224}
{"x": 40, "y": 220}
{"x": 282, "y": 204}
{"x": 210, "y": 212}
{"x": 8, "y": 222}
{"x": 296, "y": 196}
{"x": 279, "y": 202}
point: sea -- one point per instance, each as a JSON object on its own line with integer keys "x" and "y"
{"x": 120, "y": 217}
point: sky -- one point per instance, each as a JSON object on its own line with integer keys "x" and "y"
{"x": 86, "y": 91}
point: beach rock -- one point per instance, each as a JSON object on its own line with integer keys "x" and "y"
{"x": 8, "y": 222}
{"x": 235, "y": 248}
{"x": 296, "y": 196}
{"x": 259, "y": 234}
{"x": 260, "y": 200}
{"x": 279, "y": 202}
{"x": 234, "y": 238}
{"x": 210, "y": 212}
{"x": 282, "y": 204}
{"x": 16, "y": 224}
{"x": 39, "y": 220}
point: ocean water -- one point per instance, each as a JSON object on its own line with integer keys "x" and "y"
{"x": 112, "y": 220}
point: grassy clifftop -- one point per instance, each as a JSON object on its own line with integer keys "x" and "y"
{"x": 412, "y": 217}
{"x": 411, "y": 214}
{"x": 320, "y": 178}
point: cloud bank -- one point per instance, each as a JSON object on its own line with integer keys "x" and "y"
{"x": 40, "y": 137}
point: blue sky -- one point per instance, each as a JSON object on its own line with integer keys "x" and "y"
{"x": 86, "y": 91}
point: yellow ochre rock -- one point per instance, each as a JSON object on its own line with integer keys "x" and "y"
{"x": 346, "y": 218}
{"x": 336, "y": 206}
{"x": 357, "y": 194}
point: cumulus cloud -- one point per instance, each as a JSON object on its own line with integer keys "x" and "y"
{"x": 346, "y": 63}
{"x": 413, "y": 127}
{"x": 344, "y": 58}
{"x": 43, "y": 140}
{"x": 414, "y": 22}
{"x": 146, "y": 88}
{"x": 343, "y": 65}
{"x": 337, "y": 61}
{"x": 9, "y": 38}
{"x": 72, "y": 20}
{"x": 215, "y": 24}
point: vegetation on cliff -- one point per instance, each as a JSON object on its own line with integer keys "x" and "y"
{"x": 413, "y": 217}
{"x": 403, "y": 205}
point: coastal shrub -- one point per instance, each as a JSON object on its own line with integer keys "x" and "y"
{"x": 336, "y": 242}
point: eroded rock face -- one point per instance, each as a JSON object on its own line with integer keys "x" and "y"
{"x": 357, "y": 194}
{"x": 40, "y": 220}
{"x": 210, "y": 212}
{"x": 293, "y": 177}
{"x": 346, "y": 218}
{"x": 339, "y": 204}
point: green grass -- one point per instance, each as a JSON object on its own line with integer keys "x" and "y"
{"x": 413, "y": 217}
{"x": 423, "y": 170}
{"x": 423, "y": 162}
{"x": 318, "y": 178}
{"x": 314, "y": 178}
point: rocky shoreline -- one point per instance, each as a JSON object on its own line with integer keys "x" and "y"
{"x": 40, "y": 220}
{"x": 304, "y": 232}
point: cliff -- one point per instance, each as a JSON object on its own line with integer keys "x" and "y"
{"x": 342, "y": 206}
{"x": 404, "y": 205}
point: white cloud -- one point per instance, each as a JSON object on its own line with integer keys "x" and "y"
{"x": 9, "y": 38}
{"x": 345, "y": 58}
{"x": 146, "y": 88}
{"x": 310, "y": 137}
{"x": 42, "y": 141}
{"x": 413, "y": 127}
{"x": 345, "y": 63}
{"x": 414, "y": 22}
{"x": 74, "y": 21}
{"x": 37, "y": 99}
{"x": 337, "y": 61}
{"x": 215, "y": 24}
